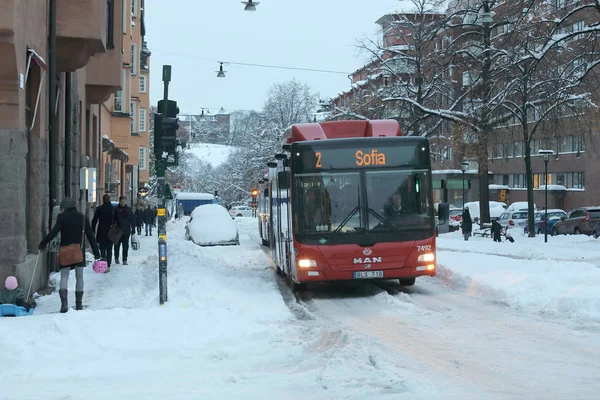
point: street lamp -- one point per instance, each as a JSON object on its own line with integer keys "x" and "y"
{"x": 220, "y": 72}
{"x": 546, "y": 154}
{"x": 250, "y": 5}
{"x": 463, "y": 167}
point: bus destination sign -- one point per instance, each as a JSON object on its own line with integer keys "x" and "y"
{"x": 308, "y": 158}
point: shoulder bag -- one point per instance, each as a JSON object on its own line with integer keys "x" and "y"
{"x": 114, "y": 233}
{"x": 73, "y": 253}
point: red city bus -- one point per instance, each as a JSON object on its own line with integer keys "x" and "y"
{"x": 350, "y": 200}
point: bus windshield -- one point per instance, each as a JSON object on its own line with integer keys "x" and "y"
{"x": 368, "y": 205}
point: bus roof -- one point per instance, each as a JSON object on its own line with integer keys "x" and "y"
{"x": 342, "y": 129}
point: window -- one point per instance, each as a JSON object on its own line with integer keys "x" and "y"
{"x": 110, "y": 24}
{"x": 466, "y": 78}
{"x": 567, "y": 144}
{"x": 133, "y": 115}
{"x": 118, "y": 106}
{"x": 143, "y": 83}
{"x": 142, "y": 159}
{"x": 517, "y": 181}
{"x": 142, "y": 121}
{"x": 133, "y": 59}
{"x": 134, "y": 8}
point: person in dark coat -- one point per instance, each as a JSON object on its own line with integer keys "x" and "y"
{"x": 149, "y": 216}
{"x": 104, "y": 217}
{"x": 126, "y": 221}
{"x": 496, "y": 230}
{"x": 139, "y": 218}
{"x": 70, "y": 223}
{"x": 467, "y": 223}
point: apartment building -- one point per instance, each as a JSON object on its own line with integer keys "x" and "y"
{"x": 51, "y": 118}
{"x": 573, "y": 136}
{"x": 126, "y": 159}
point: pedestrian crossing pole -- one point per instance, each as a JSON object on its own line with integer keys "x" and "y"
{"x": 162, "y": 210}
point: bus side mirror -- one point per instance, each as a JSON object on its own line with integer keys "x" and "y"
{"x": 443, "y": 213}
{"x": 283, "y": 179}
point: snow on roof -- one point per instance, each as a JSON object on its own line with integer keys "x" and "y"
{"x": 553, "y": 187}
{"x": 498, "y": 187}
{"x": 194, "y": 196}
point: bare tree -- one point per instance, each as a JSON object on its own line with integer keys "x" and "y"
{"x": 289, "y": 103}
{"x": 545, "y": 82}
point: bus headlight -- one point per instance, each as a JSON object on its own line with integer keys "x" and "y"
{"x": 427, "y": 257}
{"x": 307, "y": 263}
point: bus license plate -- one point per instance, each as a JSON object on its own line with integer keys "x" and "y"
{"x": 368, "y": 274}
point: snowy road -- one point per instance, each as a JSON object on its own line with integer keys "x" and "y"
{"x": 233, "y": 329}
{"x": 479, "y": 347}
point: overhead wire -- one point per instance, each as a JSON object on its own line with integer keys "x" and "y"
{"x": 254, "y": 65}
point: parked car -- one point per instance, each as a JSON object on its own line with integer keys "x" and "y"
{"x": 241, "y": 211}
{"x": 554, "y": 216}
{"x": 577, "y": 221}
{"x": 513, "y": 219}
{"x": 496, "y": 209}
{"x": 211, "y": 225}
{"x": 520, "y": 206}
{"x": 456, "y": 214}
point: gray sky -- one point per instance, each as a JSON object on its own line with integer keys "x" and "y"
{"x": 319, "y": 34}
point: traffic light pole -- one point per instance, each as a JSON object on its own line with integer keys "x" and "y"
{"x": 161, "y": 169}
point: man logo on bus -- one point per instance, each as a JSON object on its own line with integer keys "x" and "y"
{"x": 367, "y": 251}
{"x": 367, "y": 260}
{"x": 372, "y": 158}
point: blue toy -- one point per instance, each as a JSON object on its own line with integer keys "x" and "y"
{"x": 10, "y": 310}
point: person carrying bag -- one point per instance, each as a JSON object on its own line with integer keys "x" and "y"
{"x": 73, "y": 227}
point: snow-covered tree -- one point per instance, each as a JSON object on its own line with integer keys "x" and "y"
{"x": 289, "y": 103}
{"x": 545, "y": 79}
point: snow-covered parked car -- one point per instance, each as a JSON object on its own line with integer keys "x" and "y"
{"x": 211, "y": 225}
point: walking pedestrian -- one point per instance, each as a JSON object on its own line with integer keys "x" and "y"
{"x": 149, "y": 217}
{"x": 467, "y": 223}
{"x": 126, "y": 221}
{"x": 104, "y": 217}
{"x": 73, "y": 227}
{"x": 139, "y": 218}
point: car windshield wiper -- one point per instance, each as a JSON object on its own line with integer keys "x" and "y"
{"x": 385, "y": 222}
{"x": 345, "y": 221}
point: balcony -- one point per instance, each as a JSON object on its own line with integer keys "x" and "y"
{"x": 103, "y": 76}
{"x": 80, "y": 32}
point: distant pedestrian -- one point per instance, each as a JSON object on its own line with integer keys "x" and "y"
{"x": 126, "y": 221}
{"x": 104, "y": 217}
{"x": 496, "y": 231}
{"x": 149, "y": 217}
{"x": 467, "y": 223}
{"x": 139, "y": 218}
{"x": 72, "y": 226}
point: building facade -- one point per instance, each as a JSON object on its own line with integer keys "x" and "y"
{"x": 126, "y": 158}
{"x": 60, "y": 62}
{"x": 573, "y": 136}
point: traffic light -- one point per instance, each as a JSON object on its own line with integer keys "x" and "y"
{"x": 254, "y": 193}
{"x": 169, "y": 125}
{"x": 158, "y": 147}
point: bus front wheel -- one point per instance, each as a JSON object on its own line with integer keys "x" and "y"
{"x": 407, "y": 282}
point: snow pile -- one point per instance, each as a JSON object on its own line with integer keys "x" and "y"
{"x": 212, "y": 224}
{"x": 560, "y": 278}
{"x": 214, "y": 154}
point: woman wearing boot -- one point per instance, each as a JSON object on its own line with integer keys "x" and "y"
{"x": 72, "y": 225}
